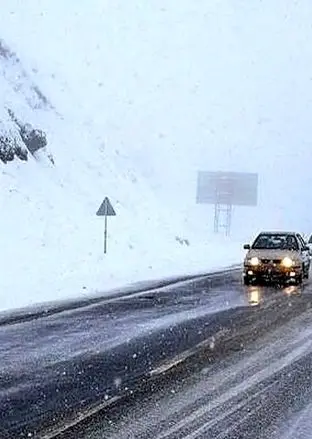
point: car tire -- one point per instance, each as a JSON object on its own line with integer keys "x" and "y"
{"x": 307, "y": 273}
{"x": 246, "y": 281}
{"x": 299, "y": 279}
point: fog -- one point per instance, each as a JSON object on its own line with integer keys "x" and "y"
{"x": 186, "y": 86}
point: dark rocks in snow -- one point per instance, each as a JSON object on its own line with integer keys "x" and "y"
{"x": 33, "y": 138}
{"x": 51, "y": 158}
{"x": 21, "y": 138}
{"x": 27, "y": 139}
{"x": 21, "y": 152}
{"x": 182, "y": 241}
{"x": 9, "y": 148}
{"x": 41, "y": 97}
{"x": 6, "y": 53}
{"x": 17, "y": 137}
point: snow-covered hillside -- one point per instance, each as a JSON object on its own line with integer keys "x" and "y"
{"x": 133, "y": 99}
{"x": 51, "y": 240}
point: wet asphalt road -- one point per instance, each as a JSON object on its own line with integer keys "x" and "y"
{"x": 58, "y": 367}
{"x": 261, "y": 390}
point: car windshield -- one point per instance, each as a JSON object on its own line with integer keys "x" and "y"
{"x": 276, "y": 241}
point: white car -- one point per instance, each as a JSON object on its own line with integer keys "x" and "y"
{"x": 276, "y": 256}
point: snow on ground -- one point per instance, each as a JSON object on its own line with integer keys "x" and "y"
{"x": 133, "y": 111}
{"x": 57, "y": 247}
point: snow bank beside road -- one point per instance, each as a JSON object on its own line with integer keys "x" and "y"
{"x": 51, "y": 279}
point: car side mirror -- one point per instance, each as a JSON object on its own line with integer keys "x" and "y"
{"x": 247, "y": 247}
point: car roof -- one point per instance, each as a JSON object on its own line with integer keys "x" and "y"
{"x": 278, "y": 232}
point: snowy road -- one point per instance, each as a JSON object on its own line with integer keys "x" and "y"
{"x": 54, "y": 369}
{"x": 262, "y": 392}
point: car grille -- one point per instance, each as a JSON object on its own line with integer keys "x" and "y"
{"x": 271, "y": 261}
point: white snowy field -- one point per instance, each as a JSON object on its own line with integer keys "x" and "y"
{"x": 140, "y": 97}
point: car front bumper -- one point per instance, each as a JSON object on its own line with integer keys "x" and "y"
{"x": 271, "y": 272}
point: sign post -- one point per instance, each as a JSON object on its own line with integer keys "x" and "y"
{"x": 106, "y": 209}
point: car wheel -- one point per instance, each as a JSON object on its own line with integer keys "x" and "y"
{"x": 299, "y": 279}
{"x": 307, "y": 274}
{"x": 246, "y": 281}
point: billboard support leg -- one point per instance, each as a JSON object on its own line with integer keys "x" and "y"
{"x": 228, "y": 219}
{"x": 216, "y": 218}
{"x": 223, "y": 218}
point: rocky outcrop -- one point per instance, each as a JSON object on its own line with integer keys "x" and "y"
{"x": 34, "y": 139}
{"x": 22, "y": 99}
{"x": 11, "y": 147}
{"x": 20, "y": 140}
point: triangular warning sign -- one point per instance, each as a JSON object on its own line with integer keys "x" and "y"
{"x": 106, "y": 208}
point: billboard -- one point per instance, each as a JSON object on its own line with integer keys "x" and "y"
{"x": 231, "y": 188}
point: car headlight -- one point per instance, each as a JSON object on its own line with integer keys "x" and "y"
{"x": 287, "y": 262}
{"x": 254, "y": 261}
